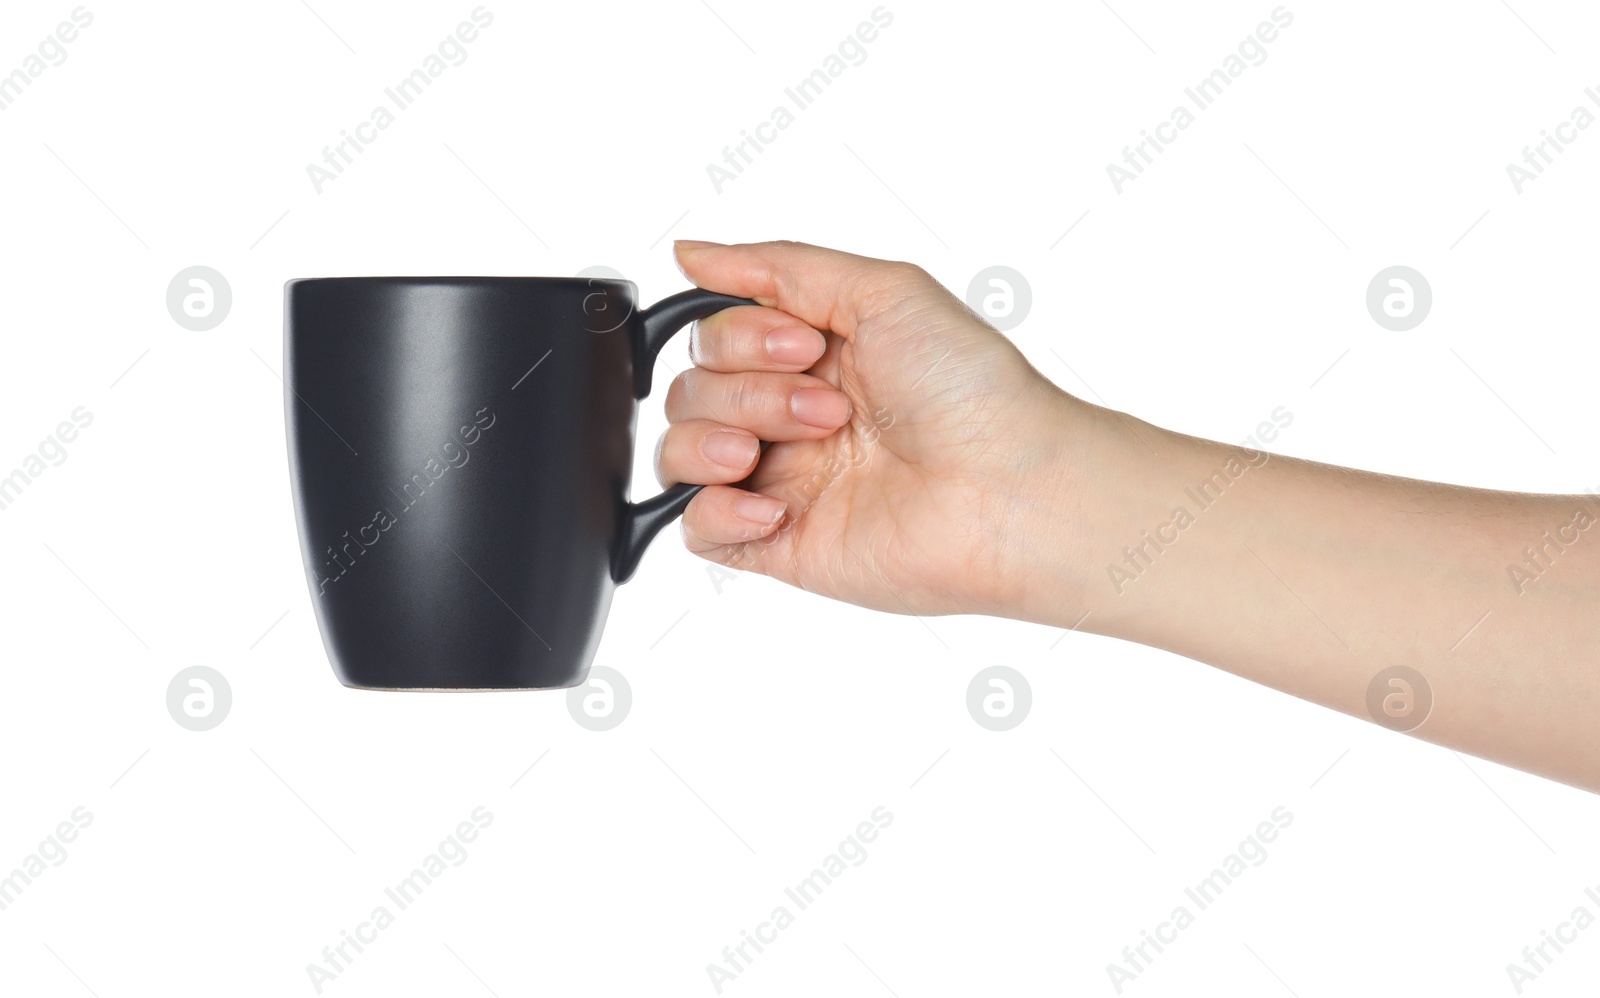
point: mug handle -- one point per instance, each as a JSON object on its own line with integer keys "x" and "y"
{"x": 641, "y": 521}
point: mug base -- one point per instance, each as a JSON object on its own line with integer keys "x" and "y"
{"x": 460, "y": 689}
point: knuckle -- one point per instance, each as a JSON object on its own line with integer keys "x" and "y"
{"x": 751, "y": 394}
{"x": 909, "y": 277}
{"x": 662, "y": 477}
{"x": 678, "y": 395}
{"x": 906, "y": 271}
{"x": 691, "y": 530}
{"x": 704, "y": 338}
{"x": 891, "y": 284}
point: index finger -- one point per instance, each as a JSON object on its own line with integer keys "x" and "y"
{"x": 828, "y": 289}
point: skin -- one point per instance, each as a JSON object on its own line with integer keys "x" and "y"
{"x": 917, "y": 463}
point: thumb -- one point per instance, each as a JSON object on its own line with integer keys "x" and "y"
{"x": 827, "y": 289}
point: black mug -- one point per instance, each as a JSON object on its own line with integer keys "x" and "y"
{"x": 460, "y": 450}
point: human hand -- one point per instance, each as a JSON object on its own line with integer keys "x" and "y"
{"x": 918, "y": 464}
{"x": 911, "y": 444}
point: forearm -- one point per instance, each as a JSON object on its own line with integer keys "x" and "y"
{"x": 1313, "y": 579}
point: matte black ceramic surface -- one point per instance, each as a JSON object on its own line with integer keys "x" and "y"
{"x": 460, "y": 450}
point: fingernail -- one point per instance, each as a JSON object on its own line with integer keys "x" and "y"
{"x": 794, "y": 345}
{"x": 729, "y": 449}
{"x": 692, "y": 244}
{"x": 821, "y": 407}
{"x": 758, "y": 509}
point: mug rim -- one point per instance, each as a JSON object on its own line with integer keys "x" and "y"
{"x": 462, "y": 280}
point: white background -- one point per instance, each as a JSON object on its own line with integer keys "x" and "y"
{"x": 1228, "y": 280}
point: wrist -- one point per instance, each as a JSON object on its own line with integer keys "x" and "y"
{"x": 1115, "y": 502}
{"x": 1087, "y": 479}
